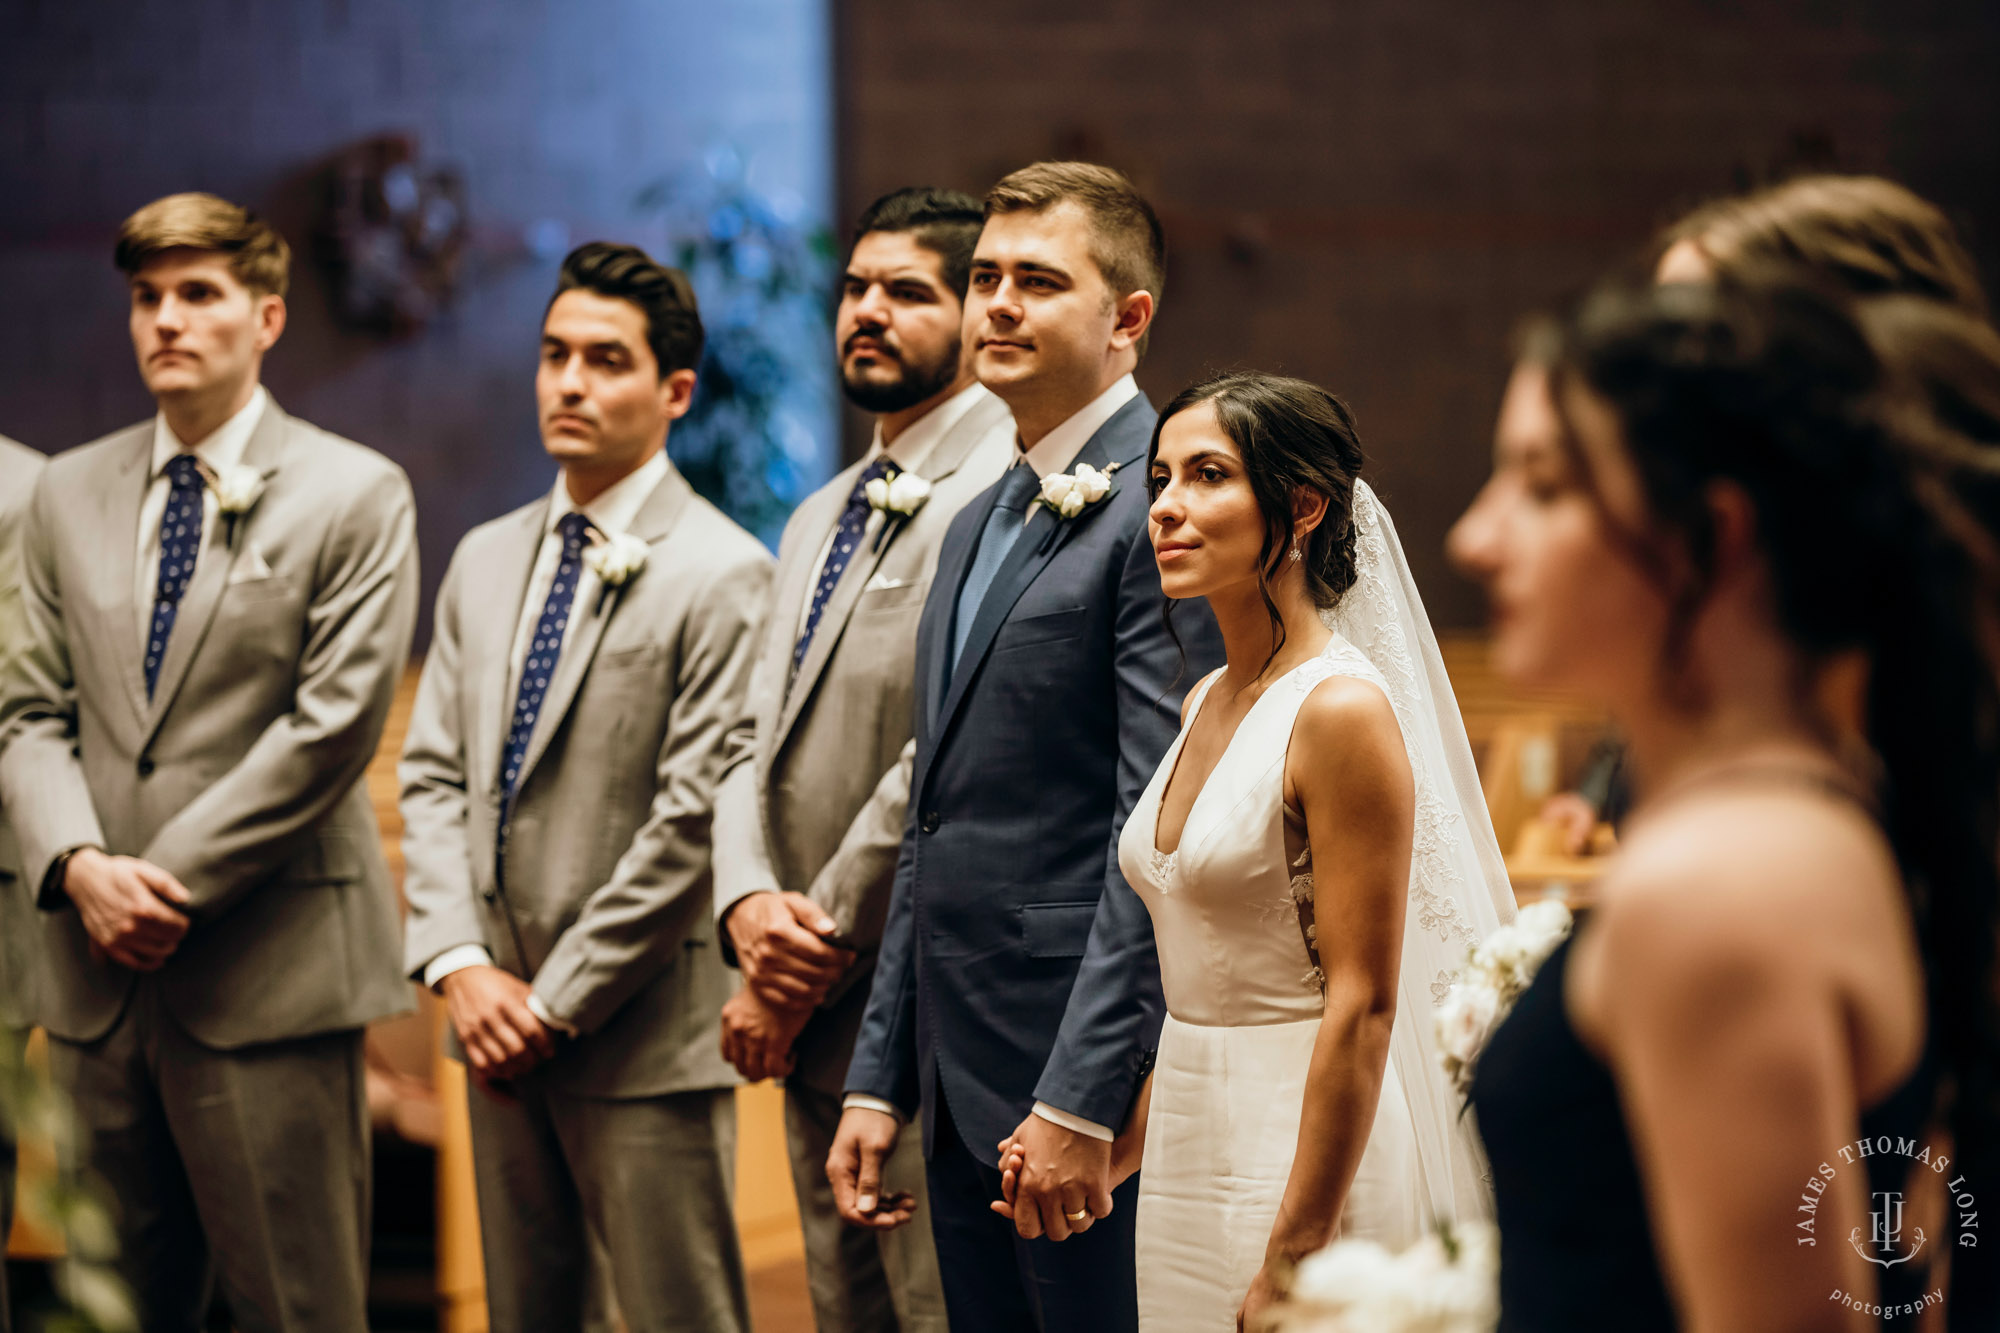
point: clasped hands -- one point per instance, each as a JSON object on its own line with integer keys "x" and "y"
{"x": 132, "y": 909}
{"x": 789, "y": 965}
{"x": 1056, "y": 1182}
{"x": 502, "y": 1037}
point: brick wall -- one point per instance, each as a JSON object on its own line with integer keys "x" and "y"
{"x": 1370, "y": 193}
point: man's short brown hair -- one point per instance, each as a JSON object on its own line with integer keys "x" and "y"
{"x": 257, "y": 255}
{"x": 1127, "y": 243}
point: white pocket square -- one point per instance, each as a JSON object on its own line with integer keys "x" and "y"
{"x": 249, "y": 567}
{"x": 881, "y": 581}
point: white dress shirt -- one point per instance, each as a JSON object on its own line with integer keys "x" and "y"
{"x": 612, "y": 512}
{"x": 909, "y": 452}
{"x": 1052, "y": 453}
{"x": 223, "y": 449}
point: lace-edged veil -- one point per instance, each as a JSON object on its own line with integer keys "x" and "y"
{"x": 1459, "y": 891}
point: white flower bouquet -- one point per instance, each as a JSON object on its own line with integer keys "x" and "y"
{"x": 1497, "y": 971}
{"x": 1447, "y": 1282}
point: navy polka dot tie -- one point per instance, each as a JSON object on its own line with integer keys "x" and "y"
{"x": 543, "y": 650}
{"x": 180, "y": 542}
{"x": 846, "y": 537}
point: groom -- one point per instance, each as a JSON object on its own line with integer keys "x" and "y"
{"x": 1017, "y": 991}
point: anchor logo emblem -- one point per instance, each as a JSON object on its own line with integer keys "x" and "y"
{"x": 1886, "y": 1233}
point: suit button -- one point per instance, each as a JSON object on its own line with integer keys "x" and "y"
{"x": 145, "y": 767}
{"x": 489, "y": 895}
{"x": 931, "y": 821}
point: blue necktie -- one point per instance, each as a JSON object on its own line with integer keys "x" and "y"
{"x": 996, "y": 539}
{"x": 180, "y": 543}
{"x": 543, "y": 651}
{"x": 846, "y": 536}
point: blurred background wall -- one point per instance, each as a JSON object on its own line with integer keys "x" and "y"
{"x": 1369, "y": 193}
{"x": 554, "y": 115}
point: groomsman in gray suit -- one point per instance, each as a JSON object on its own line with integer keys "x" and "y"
{"x": 217, "y": 607}
{"x": 19, "y": 466}
{"x": 587, "y": 666}
{"x": 810, "y": 819}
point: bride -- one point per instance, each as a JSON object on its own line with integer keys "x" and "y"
{"x": 1317, "y": 860}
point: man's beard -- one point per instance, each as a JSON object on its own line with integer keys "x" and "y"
{"x": 917, "y": 384}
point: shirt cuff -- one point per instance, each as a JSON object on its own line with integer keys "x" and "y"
{"x": 455, "y": 959}
{"x": 541, "y": 1011}
{"x": 863, "y": 1101}
{"x": 1088, "y": 1128}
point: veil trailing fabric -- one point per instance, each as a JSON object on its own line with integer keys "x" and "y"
{"x": 1459, "y": 891}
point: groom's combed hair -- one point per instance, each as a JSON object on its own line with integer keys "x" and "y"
{"x": 944, "y": 222}
{"x": 664, "y": 295}
{"x": 1128, "y": 244}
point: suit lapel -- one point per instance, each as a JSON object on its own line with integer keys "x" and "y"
{"x": 656, "y": 519}
{"x": 1031, "y": 554}
{"x": 122, "y": 498}
{"x": 211, "y": 571}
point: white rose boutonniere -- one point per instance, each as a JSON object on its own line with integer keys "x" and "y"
{"x": 237, "y": 489}
{"x": 1068, "y": 494}
{"x": 1498, "y": 970}
{"x": 898, "y": 496}
{"x": 616, "y": 558}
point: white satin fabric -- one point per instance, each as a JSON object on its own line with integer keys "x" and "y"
{"x": 1243, "y": 1005}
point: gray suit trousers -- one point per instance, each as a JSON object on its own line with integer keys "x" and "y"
{"x": 246, "y": 1167}
{"x": 862, "y": 1281}
{"x": 650, "y": 1178}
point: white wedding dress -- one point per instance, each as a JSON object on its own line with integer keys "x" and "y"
{"x": 1242, "y": 993}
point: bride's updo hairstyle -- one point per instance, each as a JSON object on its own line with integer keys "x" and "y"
{"x": 1293, "y": 436}
{"x": 1767, "y": 381}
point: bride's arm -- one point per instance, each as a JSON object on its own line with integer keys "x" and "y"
{"x": 1130, "y": 1144}
{"x": 1350, "y": 776}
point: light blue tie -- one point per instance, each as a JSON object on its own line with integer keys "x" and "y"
{"x": 1003, "y": 528}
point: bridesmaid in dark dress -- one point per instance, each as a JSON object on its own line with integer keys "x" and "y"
{"x": 1706, "y": 514}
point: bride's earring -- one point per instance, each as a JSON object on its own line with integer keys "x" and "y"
{"x": 1295, "y": 551}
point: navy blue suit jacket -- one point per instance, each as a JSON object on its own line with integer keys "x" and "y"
{"x": 1017, "y": 964}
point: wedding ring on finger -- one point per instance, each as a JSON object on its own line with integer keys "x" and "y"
{"x": 1078, "y": 1215}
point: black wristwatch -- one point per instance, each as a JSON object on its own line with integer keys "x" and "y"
{"x": 54, "y": 895}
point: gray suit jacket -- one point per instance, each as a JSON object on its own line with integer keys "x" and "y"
{"x": 242, "y": 775}
{"x": 604, "y": 900}
{"x": 19, "y": 466}
{"x": 819, "y": 782}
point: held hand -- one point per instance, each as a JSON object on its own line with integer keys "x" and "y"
{"x": 861, "y": 1145}
{"x": 489, "y": 1011}
{"x": 1262, "y": 1298}
{"x": 757, "y": 1038}
{"x": 1064, "y": 1181}
{"x": 131, "y": 908}
{"x": 781, "y": 947}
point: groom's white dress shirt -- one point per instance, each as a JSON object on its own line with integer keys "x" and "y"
{"x": 612, "y": 512}
{"x": 1051, "y": 454}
